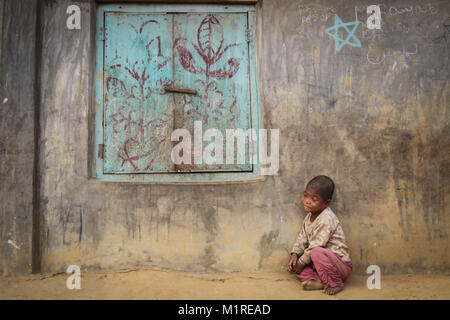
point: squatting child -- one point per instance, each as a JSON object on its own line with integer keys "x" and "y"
{"x": 320, "y": 256}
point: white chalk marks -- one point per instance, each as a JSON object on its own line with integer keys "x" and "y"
{"x": 379, "y": 56}
{"x": 13, "y": 244}
{"x": 378, "y": 22}
{"x": 408, "y": 10}
{"x": 310, "y": 14}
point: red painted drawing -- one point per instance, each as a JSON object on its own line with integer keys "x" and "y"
{"x": 211, "y": 103}
{"x": 140, "y": 136}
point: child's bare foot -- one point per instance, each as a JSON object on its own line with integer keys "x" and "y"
{"x": 333, "y": 290}
{"x": 312, "y": 285}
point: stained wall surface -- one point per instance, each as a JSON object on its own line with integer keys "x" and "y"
{"x": 373, "y": 116}
{"x": 17, "y": 102}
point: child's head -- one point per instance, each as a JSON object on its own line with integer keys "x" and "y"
{"x": 317, "y": 195}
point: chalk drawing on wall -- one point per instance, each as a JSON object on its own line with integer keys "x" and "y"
{"x": 350, "y": 39}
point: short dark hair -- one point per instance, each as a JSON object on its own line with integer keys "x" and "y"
{"x": 323, "y": 185}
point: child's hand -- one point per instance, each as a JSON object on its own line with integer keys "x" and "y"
{"x": 291, "y": 266}
{"x": 298, "y": 267}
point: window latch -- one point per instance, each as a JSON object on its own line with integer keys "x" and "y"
{"x": 180, "y": 90}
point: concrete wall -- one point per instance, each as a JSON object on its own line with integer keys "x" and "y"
{"x": 17, "y": 103}
{"x": 374, "y": 118}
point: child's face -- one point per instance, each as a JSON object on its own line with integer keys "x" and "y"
{"x": 313, "y": 202}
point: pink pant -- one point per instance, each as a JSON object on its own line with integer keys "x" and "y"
{"x": 327, "y": 267}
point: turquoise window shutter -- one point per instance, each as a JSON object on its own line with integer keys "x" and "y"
{"x": 138, "y": 113}
{"x": 164, "y": 71}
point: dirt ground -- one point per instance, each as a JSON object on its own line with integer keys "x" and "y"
{"x": 162, "y": 284}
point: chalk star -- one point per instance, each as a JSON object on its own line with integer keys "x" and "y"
{"x": 340, "y": 42}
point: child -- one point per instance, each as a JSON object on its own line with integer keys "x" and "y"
{"x": 320, "y": 256}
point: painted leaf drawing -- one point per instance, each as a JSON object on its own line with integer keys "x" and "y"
{"x": 209, "y": 37}
{"x": 211, "y": 103}
{"x": 135, "y": 79}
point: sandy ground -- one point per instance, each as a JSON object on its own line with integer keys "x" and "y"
{"x": 162, "y": 284}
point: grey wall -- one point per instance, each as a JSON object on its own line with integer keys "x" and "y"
{"x": 17, "y": 103}
{"x": 374, "y": 118}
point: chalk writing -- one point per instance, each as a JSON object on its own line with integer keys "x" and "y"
{"x": 379, "y": 56}
{"x": 310, "y": 14}
{"x": 372, "y": 35}
{"x": 407, "y": 11}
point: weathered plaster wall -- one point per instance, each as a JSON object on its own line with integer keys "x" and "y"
{"x": 374, "y": 118}
{"x": 17, "y": 102}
